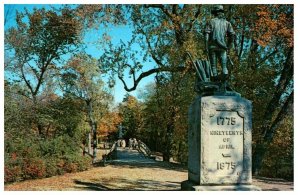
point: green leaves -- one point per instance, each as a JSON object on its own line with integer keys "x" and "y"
{"x": 82, "y": 77}
{"x": 38, "y": 41}
{"x": 132, "y": 117}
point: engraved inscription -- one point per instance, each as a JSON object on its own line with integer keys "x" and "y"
{"x": 226, "y": 165}
{"x": 226, "y": 120}
{"x": 226, "y": 144}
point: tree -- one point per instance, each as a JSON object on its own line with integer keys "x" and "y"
{"x": 167, "y": 104}
{"x": 163, "y": 33}
{"x": 267, "y": 72}
{"x": 264, "y": 62}
{"x": 132, "y": 121}
{"x": 166, "y": 32}
{"x": 82, "y": 79}
{"x": 37, "y": 46}
{"x": 108, "y": 124}
{"x": 17, "y": 111}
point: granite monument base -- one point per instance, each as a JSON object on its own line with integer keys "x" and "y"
{"x": 190, "y": 186}
{"x": 219, "y": 140}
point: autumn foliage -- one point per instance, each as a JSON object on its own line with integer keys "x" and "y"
{"x": 271, "y": 25}
{"x": 55, "y": 93}
{"x": 108, "y": 124}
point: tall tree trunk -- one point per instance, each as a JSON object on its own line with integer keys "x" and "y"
{"x": 285, "y": 111}
{"x": 263, "y": 145}
{"x": 252, "y": 55}
{"x": 94, "y": 129}
{"x": 269, "y": 128}
{"x": 89, "y": 144}
{"x": 36, "y": 116}
{"x": 172, "y": 120}
{"x": 93, "y": 126}
{"x": 169, "y": 136}
{"x": 240, "y": 52}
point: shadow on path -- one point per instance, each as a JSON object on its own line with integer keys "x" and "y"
{"x": 128, "y": 158}
{"x": 155, "y": 165}
{"x": 132, "y": 159}
{"x": 117, "y": 184}
{"x": 91, "y": 186}
{"x": 273, "y": 184}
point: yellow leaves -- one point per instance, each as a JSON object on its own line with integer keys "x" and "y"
{"x": 108, "y": 123}
{"x": 177, "y": 18}
{"x": 131, "y": 102}
{"x": 165, "y": 24}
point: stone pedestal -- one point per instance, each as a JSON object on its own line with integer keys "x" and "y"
{"x": 190, "y": 186}
{"x": 220, "y": 144}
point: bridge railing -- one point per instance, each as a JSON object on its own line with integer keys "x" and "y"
{"x": 112, "y": 154}
{"x": 144, "y": 149}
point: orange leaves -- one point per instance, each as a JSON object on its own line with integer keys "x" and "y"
{"x": 12, "y": 173}
{"x": 14, "y": 156}
{"x": 108, "y": 123}
{"x": 264, "y": 26}
{"x": 165, "y": 23}
{"x": 285, "y": 31}
{"x": 272, "y": 25}
{"x": 34, "y": 168}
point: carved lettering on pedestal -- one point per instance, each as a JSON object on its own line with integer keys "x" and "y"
{"x": 225, "y": 143}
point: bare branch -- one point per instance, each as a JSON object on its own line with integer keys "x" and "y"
{"x": 158, "y": 61}
{"x": 285, "y": 78}
{"x": 194, "y": 19}
{"x": 175, "y": 9}
{"x": 25, "y": 79}
{"x": 267, "y": 57}
{"x": 162, "y": 8}
{"x": 7, "y": 14}
{"x": 149, "y": 72}
{"x": 33, "y": 70}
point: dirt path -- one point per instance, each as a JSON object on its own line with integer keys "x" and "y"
{"x": 121, "y": 176}
{"x": 129, "y": 174}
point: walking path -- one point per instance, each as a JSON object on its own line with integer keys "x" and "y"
{"x": 131, "y": 171}
{"x": 125, "y": 155}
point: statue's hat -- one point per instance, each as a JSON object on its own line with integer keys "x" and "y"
{"x": 217, "y": 8}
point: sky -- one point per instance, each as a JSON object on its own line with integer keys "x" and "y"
{"x": 120, "y": 33}
{"x": 117, "y": 34}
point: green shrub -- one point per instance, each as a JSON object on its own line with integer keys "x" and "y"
{"x": 83, "y": 163}
{"x": 29, "y": 154}
{"x": 58, "y": 146}
{"x": 28, "y": 158}
{"x": 51, "y": 167}
{"x": 60, "y": 166}
{"x": 75, "y": 163}
{"x": 70, "y": 167}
